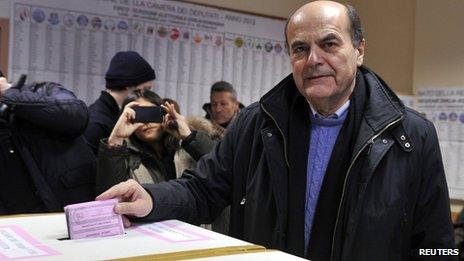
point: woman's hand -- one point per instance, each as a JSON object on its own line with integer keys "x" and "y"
{"x": 182, "y": 131}
{"x": 4, "y": 85}
{"x": 124, "y": 126}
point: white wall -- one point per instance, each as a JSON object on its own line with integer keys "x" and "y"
{"x": 389, "y": 31}
{"x": 4, "y": 8}
{"x": 439, "y": 48}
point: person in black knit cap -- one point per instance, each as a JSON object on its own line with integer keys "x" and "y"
{"x": 127, "y": 72}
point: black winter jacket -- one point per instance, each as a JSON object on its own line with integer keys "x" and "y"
{"x": 394, "y": 201}
{"x": 46, "y": 122}
{"x": 103, "y": 113}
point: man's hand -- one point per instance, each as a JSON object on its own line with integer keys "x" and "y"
{"x": 4, "y": 85}
{"x": 134, "y": 199}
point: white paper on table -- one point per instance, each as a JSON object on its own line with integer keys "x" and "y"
{"x": 171, "y": 231}
{"x": 17, "y": 243}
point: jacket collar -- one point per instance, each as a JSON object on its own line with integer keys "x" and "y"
{"x": 382, "y": 108}
{"x": 382, "y": 105}
{"x": 109, "y": 102}
{"x": 277, "y": 102}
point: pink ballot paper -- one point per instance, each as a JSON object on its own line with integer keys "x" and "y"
{"x": 93, "y": 219}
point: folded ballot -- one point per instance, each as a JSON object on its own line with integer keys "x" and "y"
{"x": 93, "y": 219}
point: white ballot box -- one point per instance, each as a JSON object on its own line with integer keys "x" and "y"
{"x": 45, "y": 237}
{"x": 268, "y": 255}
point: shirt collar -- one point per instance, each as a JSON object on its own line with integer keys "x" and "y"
{"x": 336, "y": 115}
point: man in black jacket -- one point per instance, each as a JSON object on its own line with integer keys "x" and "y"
{"x": 329, "y": 165}
{"x": 45, "y": 163}
{"x": 127, "y": 72}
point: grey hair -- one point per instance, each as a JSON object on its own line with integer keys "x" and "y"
{"x": 223, "y": 86}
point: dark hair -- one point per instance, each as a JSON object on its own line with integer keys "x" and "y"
{"x": 169, "y": 142}
{"x": 356, "y": 30}
{"x": 1, "y": 74}
{"x": 223, "y": 86}
{"x": 143, "y": 94}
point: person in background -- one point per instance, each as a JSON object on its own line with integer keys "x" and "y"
{"x": 127, "y": 72}
{"x": 45, "y": 163}
{"x": 184, "y": 161}
{"x": 223, "y": 106}
{"x": 329, "y": 165}
{"x": 221, "y": 110}
{"x": 147, "y": 152}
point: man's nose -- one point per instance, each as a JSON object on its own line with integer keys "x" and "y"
{"x": 315, "y": 57}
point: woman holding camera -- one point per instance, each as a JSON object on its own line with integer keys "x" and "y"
{"x": 151, "y": 152}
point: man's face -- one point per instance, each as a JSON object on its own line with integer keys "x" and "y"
{"x": 223, "y": 107}
{"x": 322, "y": 55}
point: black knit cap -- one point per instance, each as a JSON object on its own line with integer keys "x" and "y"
{"x": 128, "y": 69}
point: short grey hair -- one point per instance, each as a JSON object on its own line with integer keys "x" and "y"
{"x": 223, "y": 86}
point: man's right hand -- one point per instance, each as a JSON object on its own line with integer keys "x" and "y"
{"x": 133, "y": 199}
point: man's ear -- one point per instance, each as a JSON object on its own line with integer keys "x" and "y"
{"x": 360, "y": 52}
{"x": 237, "y": 105}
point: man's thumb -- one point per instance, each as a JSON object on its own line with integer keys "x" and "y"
{"x": 135, "y": 209}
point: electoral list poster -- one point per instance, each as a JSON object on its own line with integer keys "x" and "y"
{"x": 189, "y": 46}
{"x": 444, "y": 107}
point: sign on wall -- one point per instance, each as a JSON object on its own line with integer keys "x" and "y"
{"x": 189, "y": 46}
{"x": 444, "y": 106}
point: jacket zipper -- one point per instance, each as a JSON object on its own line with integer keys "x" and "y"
{"x": 281, "y": 132}
{"x": 369, "y": 142}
